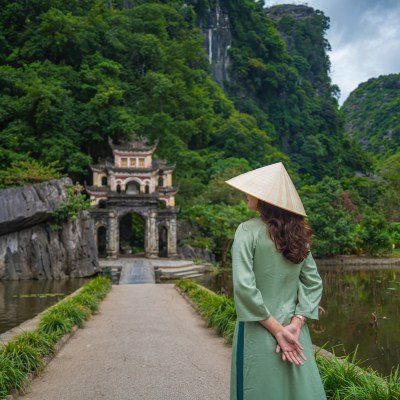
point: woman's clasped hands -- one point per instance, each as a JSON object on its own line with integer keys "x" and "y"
{"x": 289, "y": 344}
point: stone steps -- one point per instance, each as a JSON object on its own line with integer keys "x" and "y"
{"x": 189, "y": 271}
{"x": 167, "y": 269}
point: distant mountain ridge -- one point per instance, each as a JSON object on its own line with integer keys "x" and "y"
{"x": 372, "y": 115}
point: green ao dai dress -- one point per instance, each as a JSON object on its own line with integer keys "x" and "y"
{"x": 266, "y": 283}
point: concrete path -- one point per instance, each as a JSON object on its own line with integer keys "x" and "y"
{"x": 147, "y": 343}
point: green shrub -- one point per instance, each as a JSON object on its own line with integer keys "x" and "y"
{"x": 98, "y": 287}
{"x": 343, "y": 379}
{"x": 72, "y": 310}
{"x": 87, "y": 300}
{"x": 10, "y": 375}
{"x": 55, "y": 324}
{"x": 24, "y": 356}
{"x": 41, "y": 341}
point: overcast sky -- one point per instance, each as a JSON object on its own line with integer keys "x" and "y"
{"x": 364, "y": 36}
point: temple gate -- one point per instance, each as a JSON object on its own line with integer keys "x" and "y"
{"x": 134, "y": 182}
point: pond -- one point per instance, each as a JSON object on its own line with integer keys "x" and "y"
{"x": 351, "y": 299}
{"x": 22, "y": 300}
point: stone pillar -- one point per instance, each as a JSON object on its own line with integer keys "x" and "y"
{"x": 112, "y": 184}
{"x": 152, "y": 235}
{"x": 172, "y": 238}
{"x": 112, "y": 235}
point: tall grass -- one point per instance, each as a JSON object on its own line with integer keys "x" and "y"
{"x": 10, "y": 376}
{"x": 25, "y": 353}
{"x": 343, "y": 378}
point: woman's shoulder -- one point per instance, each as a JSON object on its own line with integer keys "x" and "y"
{"x": 252, "y": 225}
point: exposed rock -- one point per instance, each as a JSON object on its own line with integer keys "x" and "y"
{"x": 40, "y": 252}
{"x": 216, "y": 29}
{"x": 30, "y": 248}
{"x": 190, "y": 253}
{"x": 297, "y": 11}
{"x": 30, "y": 205}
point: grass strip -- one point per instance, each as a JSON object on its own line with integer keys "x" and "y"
{"x": 25, "y": 353}
{"x": 343, "y": 377}
{"x": 218, "y": 311}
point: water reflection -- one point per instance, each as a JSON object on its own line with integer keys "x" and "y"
{"x": 15, "y": 308}
{"x": 350, "y": 301}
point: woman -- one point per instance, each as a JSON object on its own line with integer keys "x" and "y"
{"x": 276, "y": 289}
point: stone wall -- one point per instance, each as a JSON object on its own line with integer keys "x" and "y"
{"x": 30, "y": 248}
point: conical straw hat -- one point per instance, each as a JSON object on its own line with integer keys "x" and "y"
{"x": 271, "y": 184}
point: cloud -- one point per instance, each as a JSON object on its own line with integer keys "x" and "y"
{"x": 363, "y": 36}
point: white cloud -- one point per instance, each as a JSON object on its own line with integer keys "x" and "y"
{"x": 364, "y": 37}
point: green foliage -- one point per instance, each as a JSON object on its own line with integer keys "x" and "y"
{"x": 74, "y": 204}
{"x": 24, "y": 356}
{"x": 373, "y": 234}
{"x": 389, "y": 200}
{"x": 218, "y": 223}
{"x": 332, "y": 221}
{"x": 86, "y": 300}
{"x": 343, "y": 378}
{"x": 55, "y": 324}
{"x": 40, "y": 341}
{"x": 285, "y": 85}
{"x": 10, "y": 375}
{"x": 372, "y": 116}
{"x": 73, "y": 311}
{"x": 26, "y": 172}
{"x": 76, "y": 73}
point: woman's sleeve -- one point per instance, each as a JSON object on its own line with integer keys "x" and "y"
{"x": 309, "y": 289}
{"x": 248, "y": 299}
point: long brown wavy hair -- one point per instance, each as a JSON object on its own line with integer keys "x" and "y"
{"x": 289, "y": 232}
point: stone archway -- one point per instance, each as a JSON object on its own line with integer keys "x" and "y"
{"x": 132, "y": 234}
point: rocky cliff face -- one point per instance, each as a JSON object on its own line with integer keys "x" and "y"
{"x": 30, "y": 248}
{"x": 215, "y": 26}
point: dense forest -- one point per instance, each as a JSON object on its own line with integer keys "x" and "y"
{"x": 73, "y": 74}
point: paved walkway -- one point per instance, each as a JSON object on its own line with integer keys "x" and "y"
{"x": 147, "y": 343}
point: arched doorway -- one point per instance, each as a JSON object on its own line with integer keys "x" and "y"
{"x": 132, "y": 234}
{"x": 162, "y": 241}
{"x": 133, "y": 188}
{"x": 102, "y": 241}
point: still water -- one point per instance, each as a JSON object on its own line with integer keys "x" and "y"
{"x": 22, "y": 300}
{"x": 350, "y": 298}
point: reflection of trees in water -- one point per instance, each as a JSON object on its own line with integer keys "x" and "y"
{"x": 350, "y": 298}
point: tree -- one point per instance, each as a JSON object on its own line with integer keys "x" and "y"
{"x": 218, "y": 223}
{"x": 26, "y": 172}
{"x": 333, "y": 225}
